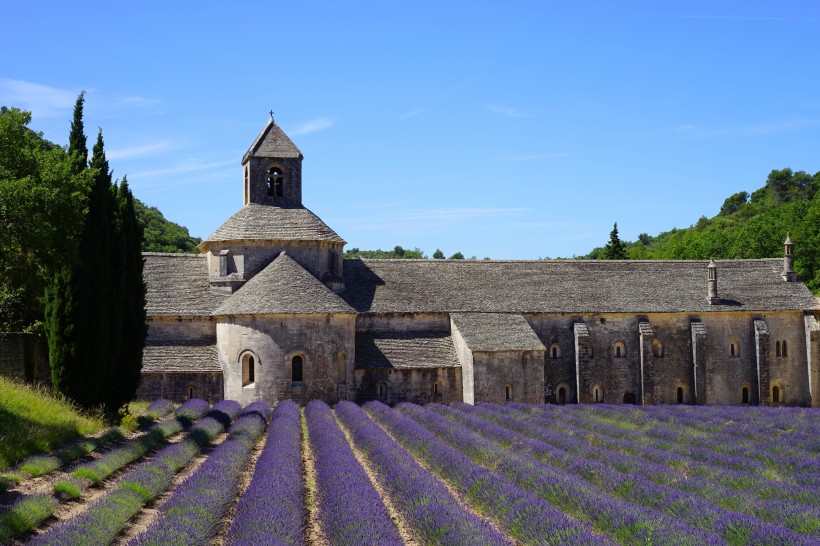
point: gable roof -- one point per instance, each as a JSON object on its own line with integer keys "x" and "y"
{"x": 283, "y": 287}
{"x": 568, "y": 286}
{"x": 269, "y": 223}
{"x": 496, "y": 332}
{"x": 401, "y": 350}
{"x": 178, "y": 285}
{"x": 272, "y": 142}
{"x": 191, "y": 358}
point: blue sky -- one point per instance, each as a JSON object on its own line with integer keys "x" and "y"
{"x": 514, "y": 129}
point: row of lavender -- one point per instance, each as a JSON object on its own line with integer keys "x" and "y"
{"x": 102, "y": 521}
{"x": 647, "y": 476}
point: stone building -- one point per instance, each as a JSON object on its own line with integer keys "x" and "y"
{"x": 270, "y": 310}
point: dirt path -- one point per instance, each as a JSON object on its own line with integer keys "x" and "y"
{"x": 405, "y": 530}
{"x": 149, "y": 513}
{"x": 244, "y": 481}
{"x": 492, "y": 522}
{"x": 314, "y": 535}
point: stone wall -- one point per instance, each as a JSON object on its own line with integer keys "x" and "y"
{"x": 273, "y": 341}
{"x": 508, "y": 376}
{"x": 179, "y": 387}
{"x": 169, "y": 330}
{"x": 24, "y": 357}
{"x": 409, "y": 385}
{"x": 658, "y": 352}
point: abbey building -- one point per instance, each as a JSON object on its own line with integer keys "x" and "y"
{"x": 269, "y": 310}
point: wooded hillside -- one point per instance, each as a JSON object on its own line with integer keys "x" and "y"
{"x": 748, "y": 226}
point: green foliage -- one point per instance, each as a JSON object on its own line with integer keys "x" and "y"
{"x": 749, "y": 226}
{"x": 438, "y": 254}
{"x": 77, "y": 144}
{"x": 26, "y": 515}
{"x": 457, "y": 256}
{"x": 35, "y": 421}
{"x": 95, "y": 312}
{"x": 68, "y": 490}
{"x": 41, "y": 207}
{"x": 614, "y": 249}
{"x": 162, "y": 235}
{"x": 397, "y": 253}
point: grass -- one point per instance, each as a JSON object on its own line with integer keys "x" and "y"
{"x": 32, "y": 420}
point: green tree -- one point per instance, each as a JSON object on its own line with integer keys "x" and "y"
{"x": 77, "y": 143}
{"x": 614, "y": 249}
{"x": 438, "y": 254}
{"x": 125, "y": 375}
{"x": 41, "y": 207}
{"x": 457, "y": 256}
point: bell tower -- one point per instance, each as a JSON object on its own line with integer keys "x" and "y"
{"x": 272, "y": 169}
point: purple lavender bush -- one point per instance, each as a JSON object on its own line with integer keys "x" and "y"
{"x": 521, "y": 514}
{"x": 350, "y": 509}
{"x": 272, "y": 509}
{"x": 434, "y": 515}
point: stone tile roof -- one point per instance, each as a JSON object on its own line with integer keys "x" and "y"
{"x": 180, "y": 359}
{"x": 405, "y": 350}
{"x": 178, "y": 285}
{"x": 270, "y": 223}
{"x": 567, "y": 286}
{"x": 272, "y": 142}
{"x": 283, "y": 287}
{"x": 496, "y": 332}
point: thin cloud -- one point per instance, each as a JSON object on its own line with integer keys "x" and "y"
{"x": 138, "y": 102}
{"x": 41, "y": 100}
{"x": 412, "y": 113}
{"x": 512, "y": 112}
{"x": 313, "y": 126}
{"x": 187, "y": 167}
{"x": 140, "y": 151}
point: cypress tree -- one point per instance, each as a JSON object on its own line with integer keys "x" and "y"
{"x": 125, "y": 371}
{"x": 77, "y": 144}
{"x": 61, "y": 331}
{"x": 614, "y": 249}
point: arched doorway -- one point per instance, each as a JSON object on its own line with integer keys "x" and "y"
{"x": 630, "y": 398}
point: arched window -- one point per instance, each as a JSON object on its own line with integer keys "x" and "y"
{"x": 191, "y": 392}
{"x": 785, "y": 352}
{"x": 555, "y": 351}
{"x": 436, "y": 388}
{"x": 381, "y": 390}
{"x": 562, "y": 395}
{"x": 508, "y": 394}
{"x": 734, "y": 348}
{"x": 777, "y": 395}
{"x": 744, "y": 395}
{"x": 657, "y": 348}
{"x": 630, "y": 398}
{"x": 248, "y": 369}
{"x": 296, "y": 365}
{"x": 777, "y": 344}
{"x": 275, "y": 182}
{"x": 680, "y": 395}
{"x": 619, "y": 350}
{"x": 341, "y": 366}
{"x": 597, "y": 395}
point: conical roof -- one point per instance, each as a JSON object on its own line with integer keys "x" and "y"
{"x": 283, "y": 287}
{"x": 269, "y": 223}
{"x": 272, "y": 142}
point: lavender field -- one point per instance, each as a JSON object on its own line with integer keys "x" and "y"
{"x": 485, "y": 474}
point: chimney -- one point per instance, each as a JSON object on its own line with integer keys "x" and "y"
{"x": 711, "y": 276}
{"x": 788, "y": 260}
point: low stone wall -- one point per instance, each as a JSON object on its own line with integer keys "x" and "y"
{"x": 24, "y": 357}
{"x": 179, "y": 387}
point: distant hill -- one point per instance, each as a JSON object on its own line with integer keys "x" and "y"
{"x": 162, "y": 235}
{"x": 749, "y": 226}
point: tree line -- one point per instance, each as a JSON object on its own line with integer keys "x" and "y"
{"x": 749, "y": 225}
{"x": 71, "y": 260}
